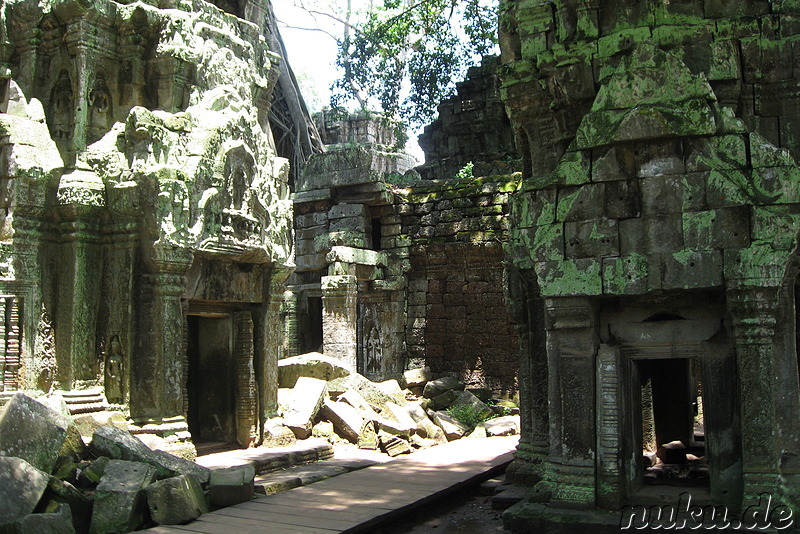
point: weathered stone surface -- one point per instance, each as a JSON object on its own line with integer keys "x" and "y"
{"x": 478, "y": 432}
{"x": 313, "y": 365}
{"x": 452, "y": 427}
{"x": 417, "y": 377}
{"x": 32, "y": 431}
{"x": 393, "y": 445}
{"x": 368, "y": 389}
{"x": 21, "y": 487}
{"x": 119, "y": 502}
{"x": 59, "y": 521}
{"x": 502, "y": 426}
{"x": 346, "y": 419}
{"x": 307, "y": 397}
{"x": 60, "y": 493}
{"x": 87, "y": 423}
{"x": 118, "y": 444}
{"x": 436, "y": 387}
{"x": 469, "y": 401}
{"x": 444, "y": 400}
{"x": 176, "y": 500}
{"x": 232, "y": 485}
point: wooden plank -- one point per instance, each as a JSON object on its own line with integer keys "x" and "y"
{"x": 320, "y": 501}
{"x": 321, "y": 519}
{"x": 310, "y": 508}
{"x": 238, "y": 525}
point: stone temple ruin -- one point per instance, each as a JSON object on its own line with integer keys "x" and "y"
{"x": 175, "y": 224}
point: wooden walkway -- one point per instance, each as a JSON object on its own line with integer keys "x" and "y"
{"x": 358, "y": 501}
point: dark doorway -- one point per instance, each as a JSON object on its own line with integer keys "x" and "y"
{"x": 211, "y": 379}
{"x": 312, "y": 331}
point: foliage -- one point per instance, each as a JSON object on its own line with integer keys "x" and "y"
{"x": 424, "y": 45}
{"x": 470, "y": 415}
{"x": 466, "y": 172}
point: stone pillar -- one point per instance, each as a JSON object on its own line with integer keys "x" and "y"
{"x": 572, "y": 344}
{"x": 157, "y": 366}
{"x": 290, "y": 327}
{"x": 754, "y": 313}
{"x": 246, "y": 387}
{"x": 340, "y": 318}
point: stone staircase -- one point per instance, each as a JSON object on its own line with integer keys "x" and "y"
{"x": 85, "y": 400}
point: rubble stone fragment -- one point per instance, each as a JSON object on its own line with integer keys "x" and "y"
{"x": 176, "y": 500}
{"x": 32, "y": 431}
{"x": 231, "y": 485}
{"x": 21, "y": 487}
{"x": 119, "y": 503}
{"x": 312, "y": 365}
{"x": 440, "y": 385}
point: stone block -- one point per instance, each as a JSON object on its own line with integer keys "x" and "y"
{"x": 587, "y": 239}
{"x": 393, "y": 445}
{"x": 21, "y": 487}
{"x": 87, "y": 423}
{"x": 60, "y": 492}
{"x": 502, "y": 426}
{"x": 436, "y": 387}
{"x": 119, "y": 503}
{"x": 417, "y": 377}
{"x": 176, "y": 500}
{"x": 340, "y": 211}
{"x": 118, "y": 444}
{"x": 471, "y": 402}
{"x": 445, "y": 400}
{"x": 32, "y": 431}
{"x": 346, "y": 420}
{"x": 368, "y": 389}
{"x": 59, "y": 521}
{"x": 452, "y": 427}
{"x": 307, "y": 398}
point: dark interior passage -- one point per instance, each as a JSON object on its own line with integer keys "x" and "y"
{"x": 311, "y": 333}
{"x": 211, "y": 379}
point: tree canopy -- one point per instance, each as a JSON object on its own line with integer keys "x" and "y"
{"x": 402, "y": 57}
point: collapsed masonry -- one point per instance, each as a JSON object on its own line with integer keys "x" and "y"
{"x": 653, "y": 254}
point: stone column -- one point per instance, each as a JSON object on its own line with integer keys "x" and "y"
{"x": 572, "y": 344}
{"x": 246, "y": 387}
{"x": 157, "y": 366}
{"x": 754, "y": 313}
{"x": 340, "y": 318}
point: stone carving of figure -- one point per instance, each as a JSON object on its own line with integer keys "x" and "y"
{"x": 374, "y": 351}
{"x": 99, "y": 109}
{"x": 61, "y": 100}
{"x": 113, "y": 372}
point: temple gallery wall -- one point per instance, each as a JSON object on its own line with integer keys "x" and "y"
{"x": 606, "y": 225}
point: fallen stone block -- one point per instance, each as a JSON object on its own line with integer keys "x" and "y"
{"x": 484, "y": 394}
{"x": 423, "y": 443}
{"x": 357, "y": 401}
{"x": 478, "y": 432}
{"x": 21, "y": 487}
{"x": 393, "y": 389}
{"x": 346, "y": 419}
{"x": 417, "y": 377}
{"x": 276, "y": 434}
{"x": 472, "y": 403}
{"x": 428, "y": 429}
{"x": 445, "y": 400}
{"x": 393, "y": 445}
{"x": 312, "y": 365}
{"x": 92, "y": 473}
{"x": 60, "y": 493}
{"x": 87, "y": 423}
{"x": 118, "y": 444}
{"x": 368, "y": 438}
{"x": 368, "y": 389}
{"x": 502, "y": 426}
{"x": 32, "y": 431}
{"x": 308, "y": 395}
{"x": 231, "y": 485}
{"x": 452, "y": 427}
{"x": 436, "y": 387}
{"x": 323, "y": 429}
{"x": 119, "y": 503}
{"x": 59, "y": 521}
{"x": 177, "y": 500}
{"x": 416, "y": 411}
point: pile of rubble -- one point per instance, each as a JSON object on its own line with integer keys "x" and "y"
{"x": 52, "y": 481}
{"x": 320, "y": 397}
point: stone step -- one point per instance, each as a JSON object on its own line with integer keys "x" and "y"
{"x": 270, "y": 459}
{"x": 76, "y": 409}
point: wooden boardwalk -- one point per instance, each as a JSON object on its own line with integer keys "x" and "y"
{"x": 360, "y": 500}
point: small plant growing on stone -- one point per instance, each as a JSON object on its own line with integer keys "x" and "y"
{"x": 466, "y": 172}
{"x": 469, "y": 415}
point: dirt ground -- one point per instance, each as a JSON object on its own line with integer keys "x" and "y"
{"x": 465, "y": 512}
